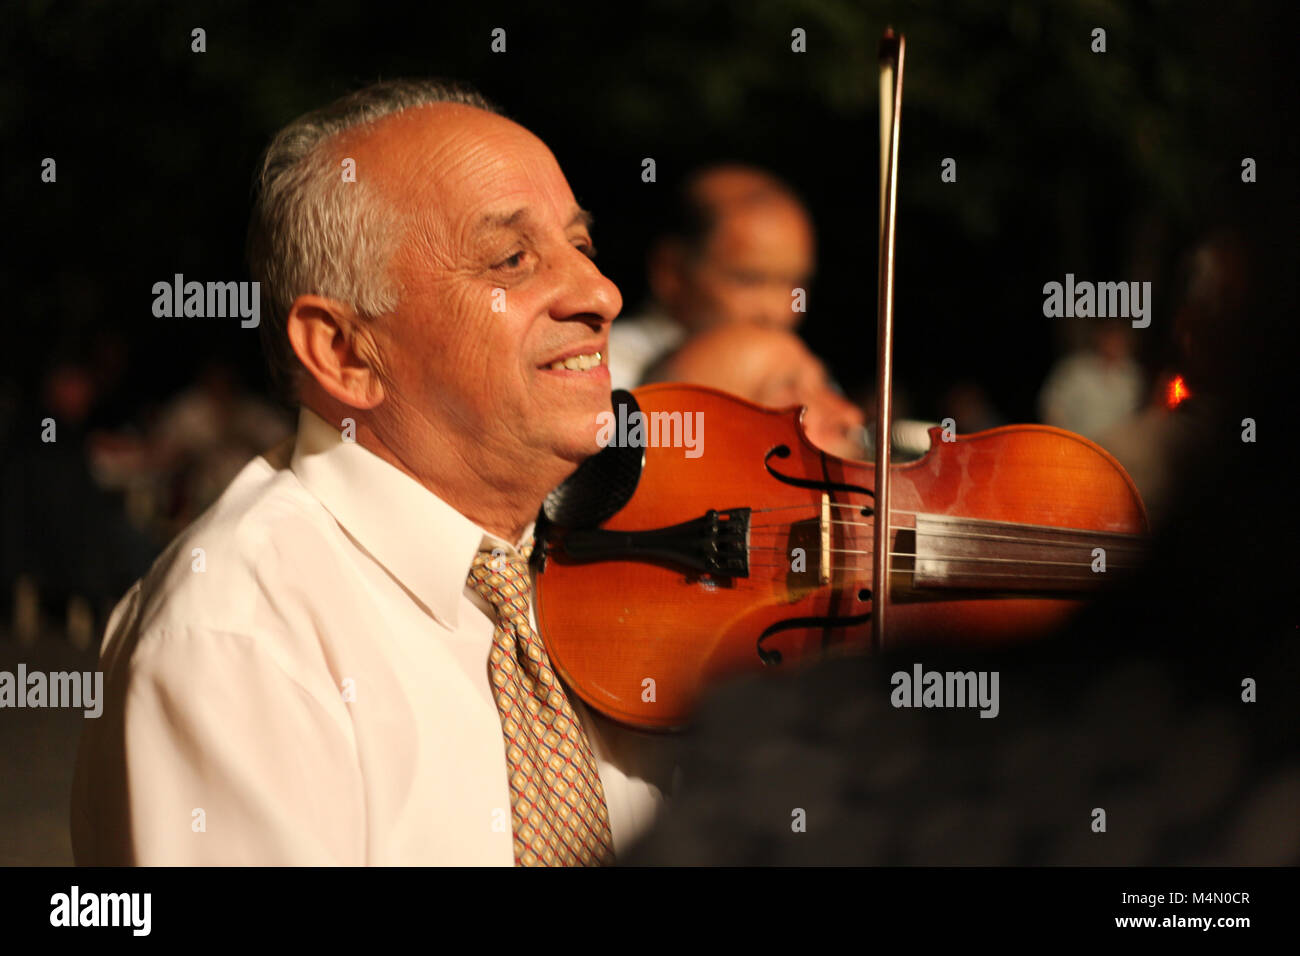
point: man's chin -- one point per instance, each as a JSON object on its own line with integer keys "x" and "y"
{"x": 572, "y": 433}
{"x": 577, "y": 448}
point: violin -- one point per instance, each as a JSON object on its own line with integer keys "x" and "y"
{"x": 759, "y": 552}
{"x": 664, "y": 566}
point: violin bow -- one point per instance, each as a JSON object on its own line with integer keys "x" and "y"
{"x": 891, "y": 105}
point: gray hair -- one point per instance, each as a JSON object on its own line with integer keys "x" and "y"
{"x": 311, "y": 233}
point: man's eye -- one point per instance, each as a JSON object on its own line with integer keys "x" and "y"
{"x": 587, "y": 249}
{"x": 513, "y": 262}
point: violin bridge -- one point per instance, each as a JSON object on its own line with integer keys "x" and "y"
{"x": 825, "y": 560}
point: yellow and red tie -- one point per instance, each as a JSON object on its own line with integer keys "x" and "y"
{"x": 557, "y": 801}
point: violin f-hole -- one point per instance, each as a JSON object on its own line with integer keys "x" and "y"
{"x": 783, "y": 451}
{"x": 772, "y": 657}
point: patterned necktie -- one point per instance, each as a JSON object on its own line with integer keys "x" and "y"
{"x": 557, "y": 800}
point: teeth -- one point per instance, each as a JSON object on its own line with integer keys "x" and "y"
{"x": 578, "y": 363}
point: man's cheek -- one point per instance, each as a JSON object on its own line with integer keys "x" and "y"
{"x": 462, "y": 320}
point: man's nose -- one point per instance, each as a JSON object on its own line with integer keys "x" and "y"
{"x": 586, "y": 292}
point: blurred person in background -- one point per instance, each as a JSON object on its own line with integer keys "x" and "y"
{"x": 1092, "y": 389}
{"x": 969, "y": 404}
{"x": 66, "y": 546}
{"x": 1156, "y": 442}
{"x": 772, "y": 367}
{"x": 738, "y": 243}
{"x": 206, "y": 434}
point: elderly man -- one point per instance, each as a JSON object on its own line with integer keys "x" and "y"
{"x": 738, "y": 244}
{"x": 337, "y": 663}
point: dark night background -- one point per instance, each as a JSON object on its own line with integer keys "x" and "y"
{"x": 1105, "y": 165}
{"x": 1109, "y": 166}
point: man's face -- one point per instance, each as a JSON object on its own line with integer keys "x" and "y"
{"x": 755, "y": 257}
{"x": 497, "y": 284}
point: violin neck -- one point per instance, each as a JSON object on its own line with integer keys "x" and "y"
{"x": 954, "y": 553}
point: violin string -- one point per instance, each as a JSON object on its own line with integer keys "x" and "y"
{"x": 833, "y": 504}
{"x": 1019, "y": 539}
{"x": 1044, "y": 543}
{"x": 1039, "y": 542}
{"x": 816, "y": 515}
{"x": 802, "y": 504}
{"x": 841, "y": 504}
{"x": 1122, "y": 554}
{"x": 971, "y": 559}
{"x": 815, "y": 508}
{"x": 1107, "y": 536}
{"x": 1007, "y": 574}
{"x": 1062, "y": 578}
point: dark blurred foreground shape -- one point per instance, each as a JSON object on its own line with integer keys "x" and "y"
{"x": 1186, "y": 772}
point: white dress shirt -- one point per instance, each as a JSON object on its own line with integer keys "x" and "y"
{"x": 301, "y": 679}
{"x": 635, "y": 344}
{"x": 1087, "y": 394}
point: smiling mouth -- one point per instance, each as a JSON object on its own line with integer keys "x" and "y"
{"x": 578, "y": 363}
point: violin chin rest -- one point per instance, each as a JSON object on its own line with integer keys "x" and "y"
{"x": 604, "y": 483}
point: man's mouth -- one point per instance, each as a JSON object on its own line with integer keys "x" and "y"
{"x": 578, "y": 363}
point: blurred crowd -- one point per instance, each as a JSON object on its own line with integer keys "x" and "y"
{"x": 92, "y": 490}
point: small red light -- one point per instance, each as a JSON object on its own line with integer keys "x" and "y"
{"x": 1177, "y": 392}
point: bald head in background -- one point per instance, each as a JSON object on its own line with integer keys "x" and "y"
{"x": 726, "y": 275}
{"x": 745, "y": 244}
{"x": 737, "y": 244}
{"x": 769, "y": 367}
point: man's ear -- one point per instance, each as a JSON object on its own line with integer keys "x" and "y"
{"x": 332, "y": 342}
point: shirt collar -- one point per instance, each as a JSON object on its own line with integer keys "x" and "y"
{"x": 421, "y": 540}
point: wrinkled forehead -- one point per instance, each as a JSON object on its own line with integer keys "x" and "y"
{"x": 455, "y": 162}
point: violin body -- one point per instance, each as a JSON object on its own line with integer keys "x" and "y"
{"x": 997, "y": 536}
